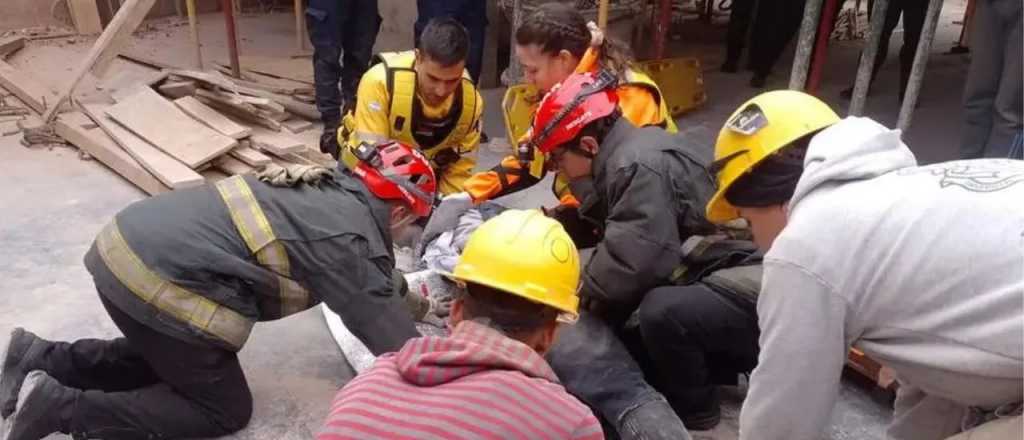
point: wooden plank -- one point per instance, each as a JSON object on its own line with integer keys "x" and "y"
{"x": 250, "y": 156}
{"x": 240, "y": 111}
{"x": 297, "y": 125}
{"x": 177, "y": 89}
{"x": 26, "y": 88}
{"x": 323, "y": 159}
{"x": 203, "y": 113}
{"x": 10, "y": 45}
{"x": 160, "y": 122}
{"x": 232, "y": 166}
{"x": 300, "y": 70}
{"x": 111, "y": 41}
{"x": 74, "y": 128}
{"x": 171, "y": 172}
{"x": 293, "y": 106}
{"x": 276, "y": 142}
{"x": 214, "y": 175}
{"x": 86, "y": 16}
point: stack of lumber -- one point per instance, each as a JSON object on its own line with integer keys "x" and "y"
{"x": 184, "y": 128}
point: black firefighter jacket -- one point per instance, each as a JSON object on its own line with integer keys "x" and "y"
{"x": 646, "y": 196}
{"x": 188, "y": 243}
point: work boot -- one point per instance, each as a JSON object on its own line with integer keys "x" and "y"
{"x": 653, "y": 420}
{"x": 329, "y": 142}
{"x": 18, "y": 357}
{"x": 44, "y": 407}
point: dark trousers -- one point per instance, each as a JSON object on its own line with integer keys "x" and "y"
{"x": 775, "y": 24}
{"x": 147, "y": 385}
{"x": 688, "y": 337}
{"x": 740, "y": 16}
{"x": 697, "y": 338}
{"x": 913, "y": 12}
{"x": 472, "y": 14}
{"x": 342, "y": 33}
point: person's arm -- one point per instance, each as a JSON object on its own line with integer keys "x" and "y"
{"x": 803, "y": 349}
{"x": 505, "y": 178}
{"x": 358, "y": 287}
{"x": 640, "y": 248}
{"x": 372, "y": 107}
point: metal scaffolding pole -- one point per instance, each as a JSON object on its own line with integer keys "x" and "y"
{"x": 821, "y": 46}
{"x": 924, "y": 48}
{"x": 804, "y": 47}
{"x": 867, "y": 58}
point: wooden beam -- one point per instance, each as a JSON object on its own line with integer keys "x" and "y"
{"x": 250, "y": 156}
{"x": 177, "y": 89}
{"x": 86, "y": 16}
{"x": 24, "y": 85}
{"x": 73, "y": 127}
{"x": 297, "y": 125}
{"x": 110, "y": 43}
{"x": 297, "y": 108}
{"x": 159, "y": 121}
{"x": 275, "y": 142}
{"x": 211, "y": 118}
{"x": 10, "y": 45}
{"x": 193, "y": 29}
{"x": 164, "y": 167}
{"x": 232, "y": 166}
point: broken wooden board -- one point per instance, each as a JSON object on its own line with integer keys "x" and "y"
{"x": 297, "y": 125}
{"x": 232, "y": 166}
{"x": 295, "y": 107}
{"x": 213, "y": 119}
{"x": 26, "y": 88}
{"x": 243, "y": 111}
{"x": 164, "y": 167}
{"x": 268, "y": 83}
{"x": 160, "y": 122}
{"x": 107, "y": 46}
{"x": 322, "y": 159}
{"x": 177, "y": 89}
{"x": 86, "y": 16}
{"x": 75, "y": 128}
{"x": 250, "y": 156}
{"x": 10, "y": 45}
{"x": 276, "y": 142}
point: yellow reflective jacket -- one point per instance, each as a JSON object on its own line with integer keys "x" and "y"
{"x": 386, "y": 109}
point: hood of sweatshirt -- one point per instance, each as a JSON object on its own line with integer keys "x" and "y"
{"x": 472, "y": 348}
{"x": 852, "y": 149}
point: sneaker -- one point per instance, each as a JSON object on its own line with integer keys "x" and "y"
{"x": 22, "y": 346}
{"x": 706, "y": 418}
{"x": 41, "y": 402}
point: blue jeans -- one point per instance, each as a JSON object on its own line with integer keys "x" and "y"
{"x": 472, "y": 14}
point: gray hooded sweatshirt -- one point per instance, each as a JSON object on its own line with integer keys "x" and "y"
{"x": 921, "y": 268}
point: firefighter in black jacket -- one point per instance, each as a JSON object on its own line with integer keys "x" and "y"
{"x": 648, "y": 289}
{"x": 186, "y": 275}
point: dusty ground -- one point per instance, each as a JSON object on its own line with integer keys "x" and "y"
{"x": 55, "y": 203}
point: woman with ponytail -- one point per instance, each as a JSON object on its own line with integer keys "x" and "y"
{"x": 553, "y": 42}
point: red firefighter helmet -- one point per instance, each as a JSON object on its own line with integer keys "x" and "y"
{"x": 395, "y": 171}
{"x": 580, "y": 99}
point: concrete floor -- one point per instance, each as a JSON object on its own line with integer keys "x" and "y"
{"x": 56, "y": 203}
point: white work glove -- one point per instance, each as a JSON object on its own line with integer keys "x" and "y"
{"x": 444, "y": 218}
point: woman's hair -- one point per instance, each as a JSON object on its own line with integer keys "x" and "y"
{"x": 558, "y": 26}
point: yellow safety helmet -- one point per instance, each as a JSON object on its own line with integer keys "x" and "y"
{"x": 524, "y": 253}
{"x": 758, "y": 129}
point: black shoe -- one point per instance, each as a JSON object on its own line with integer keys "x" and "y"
{"x": 329, "y": 143}
{"x": 758, "y": 81}
{"x": 21, "y": 349}
{"x": 43, "y": 405}
{"x": 484, "y": 138}
{"x": 730, "y": 66}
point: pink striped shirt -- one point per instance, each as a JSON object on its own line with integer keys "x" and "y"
{"x": 476, "y": 384}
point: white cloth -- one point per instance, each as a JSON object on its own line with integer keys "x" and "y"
{"x": 922, "y": 268}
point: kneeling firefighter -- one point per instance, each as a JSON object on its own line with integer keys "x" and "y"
{"x": 187, "y": 274}
{"x": 669, "y": 298}
{"x": 422, "y": 98}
